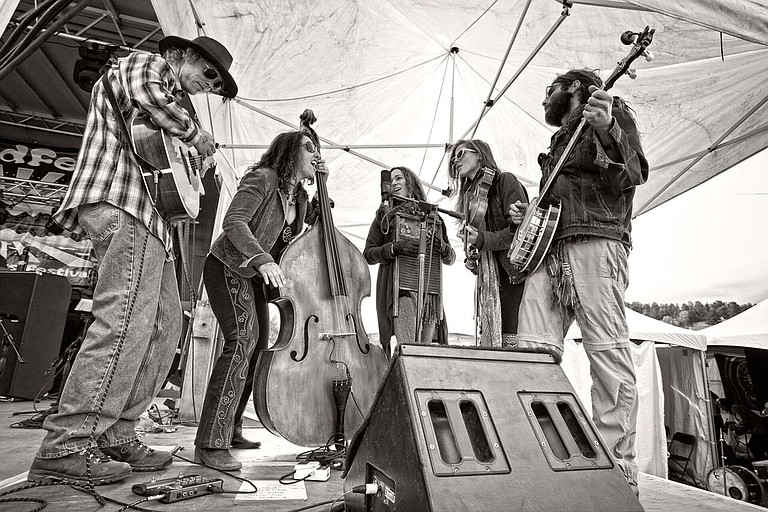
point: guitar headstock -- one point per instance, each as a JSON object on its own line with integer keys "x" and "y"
{"x": 639, "y": 41}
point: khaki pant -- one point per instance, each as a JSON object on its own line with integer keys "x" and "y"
{"x": 599, "y": 268}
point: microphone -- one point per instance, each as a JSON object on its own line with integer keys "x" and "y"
{"x": 386, "y": 187}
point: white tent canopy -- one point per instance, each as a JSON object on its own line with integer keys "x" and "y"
{"x": 394, "y": 82}
{"x": 672, "y": 390}
{"x": 748, "y": 329}
{"x": 386, "y": 85}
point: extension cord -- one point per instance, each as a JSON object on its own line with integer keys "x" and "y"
{"x": 311, "y": 471}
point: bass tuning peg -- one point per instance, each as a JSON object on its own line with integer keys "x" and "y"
{"x": 628, "y": 37}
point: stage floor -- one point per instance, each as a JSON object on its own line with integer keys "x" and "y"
{"x": 274, "y": 459}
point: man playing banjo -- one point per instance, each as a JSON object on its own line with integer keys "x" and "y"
{"x": 584, "y": 274}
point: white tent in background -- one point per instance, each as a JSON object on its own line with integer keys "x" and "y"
{"x": 748, "y": 329}
{"x": 672, "y": 386}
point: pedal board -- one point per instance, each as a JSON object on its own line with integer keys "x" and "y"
{"x": 179, "y": 488}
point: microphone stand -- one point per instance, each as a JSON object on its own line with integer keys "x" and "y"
{"x": 420, "y": 287}
{"x": 8, "y": 340}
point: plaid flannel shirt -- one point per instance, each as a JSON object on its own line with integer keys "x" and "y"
{"x": 105, "y": 170}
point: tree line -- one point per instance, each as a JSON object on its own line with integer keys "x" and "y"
{"x": 689, "y": 314}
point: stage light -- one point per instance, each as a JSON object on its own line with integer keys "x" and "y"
{"x": 88, "y": 68}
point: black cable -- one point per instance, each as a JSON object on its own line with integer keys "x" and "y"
{"x": 23, "y": 24}
{"x": 313, "y": 506}
{"x": 48, "y": 483}
{"x": 143, "y": 500}
{"x": 6, "y": 67}
{"x": 327, "y": 455}
{"x": 283, "y": 478}
{"x": 337, "y": 499}
{"x": 41, "y": 501}
{"x": 40, "y": 24}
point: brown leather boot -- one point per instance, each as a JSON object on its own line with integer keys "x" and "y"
{"x": 239, "y": 441}
{"x": 217, "y": 459}
{"x": 73, "y": 468}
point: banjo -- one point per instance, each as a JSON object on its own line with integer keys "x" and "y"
{"x": 535, "y": 233}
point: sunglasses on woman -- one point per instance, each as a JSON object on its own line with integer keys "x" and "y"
{"x": 212, "y": 74}
{"x": 309, "y": 146}
{"x": 460, "y": 154}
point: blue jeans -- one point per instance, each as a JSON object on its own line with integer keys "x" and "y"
{"x": 125, "y": 357}
{"x": 240, "y": 306}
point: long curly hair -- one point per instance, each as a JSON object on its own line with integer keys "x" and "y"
{"x": 283, "y": 157}
{"x": 460, "y": 185}
{"x": 413, "y": 183}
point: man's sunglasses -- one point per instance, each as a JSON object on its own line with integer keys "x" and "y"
{"x": 212, "y": 74}
{"x": 309, "y": 146}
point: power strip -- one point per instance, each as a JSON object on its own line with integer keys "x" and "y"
{"x": 311, "y": 471}
{"x": 179, "y": 488}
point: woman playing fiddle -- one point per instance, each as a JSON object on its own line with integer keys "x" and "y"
{"x": 382, "y": 248}
{"x": 483, "y": 190}
{"x": 267, "y": 212}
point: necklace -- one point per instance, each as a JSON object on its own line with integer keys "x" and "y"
{"x": 287, "y": 234}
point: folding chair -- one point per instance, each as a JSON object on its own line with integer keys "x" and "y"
{"x": 680, "y": 451}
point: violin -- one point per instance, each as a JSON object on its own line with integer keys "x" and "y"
{"x": 475, "y": 206}
{"x": 322, "y": 354}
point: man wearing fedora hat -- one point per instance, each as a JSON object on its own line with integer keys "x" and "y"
{"x": 130, "y": 345}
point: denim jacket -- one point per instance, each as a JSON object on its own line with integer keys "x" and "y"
{"x": 253, "y": 222}
{"x": 595, "y": 192}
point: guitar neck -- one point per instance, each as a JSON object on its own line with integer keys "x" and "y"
{"x": 644, "y": 38}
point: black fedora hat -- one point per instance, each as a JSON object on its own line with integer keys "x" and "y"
{"x": 212, "y": 51}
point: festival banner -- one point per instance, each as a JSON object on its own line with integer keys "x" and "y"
{"x": 33, "y": 181}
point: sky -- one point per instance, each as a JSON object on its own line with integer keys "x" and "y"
{"x": 707, "y": 244}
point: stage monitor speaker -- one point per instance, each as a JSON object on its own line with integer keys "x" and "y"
{"x": 39, "y": 304}
{"x": 469, "y": 429}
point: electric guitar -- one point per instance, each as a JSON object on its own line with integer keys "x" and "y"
{"x": 174, "y": 181}
{"x": 535, "y": 233}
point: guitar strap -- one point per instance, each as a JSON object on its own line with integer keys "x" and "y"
{"x": 126, "y": 138}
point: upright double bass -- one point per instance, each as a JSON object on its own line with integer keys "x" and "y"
{"x": 322, "y": 355}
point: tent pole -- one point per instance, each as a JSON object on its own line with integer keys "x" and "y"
{"x": 564, "y": 14}
{"x": 329, "y": 142}
{"x": 710, "y": 410}
{"x": 345, "y": 147}
{"x": 710, "y": 149}
{"x": 741, "y": 138}
{"x": 488, "y": 102}
{"x": 454, "y": 51}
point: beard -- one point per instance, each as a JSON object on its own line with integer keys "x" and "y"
{"x": 558, "y": 106}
